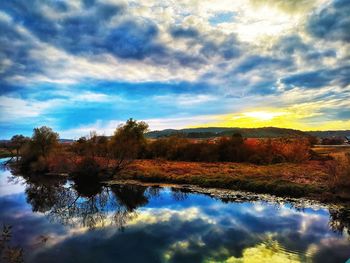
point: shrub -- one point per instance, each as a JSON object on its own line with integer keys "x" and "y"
{"x": 87, "y": 168}
{"x": 278, "y": 158}
{"x": 61, "y": 162}
{"x": 332, "y": 141}
{"x": 256, "y": 159}
{"x": 39, "y": 166}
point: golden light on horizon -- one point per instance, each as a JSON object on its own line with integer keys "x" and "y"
{"x": 291, "y": 117}
{"x": 262, "y": 115}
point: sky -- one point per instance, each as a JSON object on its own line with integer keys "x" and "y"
{"x": 83, "y": 65}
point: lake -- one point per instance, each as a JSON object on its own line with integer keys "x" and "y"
{"x": 55, "y": 220}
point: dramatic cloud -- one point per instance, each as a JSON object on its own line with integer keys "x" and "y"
{"x": 332, "y": 22}
{"x": 320, "y": 78}
{"x": 106, "y": 61}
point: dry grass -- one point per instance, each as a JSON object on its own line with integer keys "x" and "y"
{"x": 339, "y": 174}
{"x": 320, "y": 179}
{"x": 331, "y": 150}
{"x": 312, "y": 172}
{"x": 289, "y": 179}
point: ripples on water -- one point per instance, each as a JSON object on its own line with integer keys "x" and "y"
{"x": 55, "y": 220}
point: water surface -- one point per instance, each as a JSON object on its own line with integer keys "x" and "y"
{"x": 55, "y": 220}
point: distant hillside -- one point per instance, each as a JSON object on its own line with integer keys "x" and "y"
{"x": 267, "y": 132}
{"x": 329, "y": 134}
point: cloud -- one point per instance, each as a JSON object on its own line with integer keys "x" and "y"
{"x": 135, "y": 40}
{"x": 185, "y": 100}
{"x": 178, "y": 32}
{"x": 332, "y": 22}
{"x": 288, "y": 6}
{"x": 228, "y": 49}
{"x": 15, "y": 45}
{"x": 98, "y": 30}
{"x": 260, "y": 62}
{"x": 319, "y": 78}
{"x": 16, "y": 108}
{"x": 160, "y": 59}
{"x": 66, "y": 27}
{"x": 291, "y": 44}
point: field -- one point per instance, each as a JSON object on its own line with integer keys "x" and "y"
{"x": 309, "y": 179}
{"x": 334, "y": 150}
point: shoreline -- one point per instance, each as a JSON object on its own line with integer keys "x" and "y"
{"x": 235, "y": 195}
{"x": 306, "y": 180}
{"x": 288, "y": 180}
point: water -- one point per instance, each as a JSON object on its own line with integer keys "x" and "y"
{"x": 55, "y": 220}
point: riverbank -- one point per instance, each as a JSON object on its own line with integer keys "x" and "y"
{"x": 4, "y": 153}
{"x": 324, "y": 180}
{"x": 310, "y": 179}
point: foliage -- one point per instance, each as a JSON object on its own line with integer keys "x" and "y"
{"x": 127, "y": 142}
{"x": 17, "y": 142}
{"x": 229, "y": 149}
{"x": 98, "y": 155}
{"x": 44, "y": 140}
{"x": 88, "y": 167}
{"x": 35, "y": 152}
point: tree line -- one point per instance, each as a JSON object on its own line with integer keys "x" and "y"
{"x": 234, "y": 148}
{"x": 95, "y": 154}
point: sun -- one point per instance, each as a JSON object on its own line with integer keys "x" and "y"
{"x": 262, "y": 115}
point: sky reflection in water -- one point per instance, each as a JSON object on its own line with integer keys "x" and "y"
{"x": 56, "y": 221}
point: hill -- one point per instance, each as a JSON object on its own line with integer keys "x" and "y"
{"x": 210, "y": 132}
{"x": 329, "y": 134}
{"x": 266, "y": 132}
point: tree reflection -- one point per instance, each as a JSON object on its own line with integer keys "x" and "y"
{"x": 91, "y": 204}
{"x": 86, "y": 203}
{"x": 44, "y": 194}
{"x": 179, "y": 194}
{"x": 340, "y": 220}
{"x": 130, "y": 196}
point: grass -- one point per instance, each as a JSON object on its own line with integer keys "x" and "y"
{"x": 5, "y": 153}
{"x": 287, "y": 179}
{"x": 326, "y": 150}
